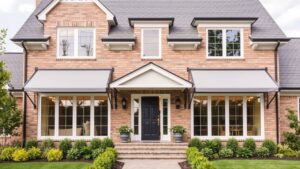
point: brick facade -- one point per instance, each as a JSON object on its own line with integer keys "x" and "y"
{"x": 123, "y": 62}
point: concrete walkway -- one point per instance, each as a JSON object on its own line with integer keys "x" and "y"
{"x": 151, "y": 164}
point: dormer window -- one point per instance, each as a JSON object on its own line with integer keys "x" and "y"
{"x": 76, "y": 43}
{"x": 224, "y": 43}
{"x": 151, "y": 43}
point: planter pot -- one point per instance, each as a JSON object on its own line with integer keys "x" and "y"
{"x": 124, "y": 138}
{"x": 178, "y": 137}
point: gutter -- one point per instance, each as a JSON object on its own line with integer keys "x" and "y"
{"x": 24, "y": 96}
{"x": 277, "y": 97}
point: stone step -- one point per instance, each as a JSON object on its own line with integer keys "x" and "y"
{"x": 151, "y": 144}
{"x": 150, "y": 148}
{"x": 151, "y": 156}
{"x": 151, "y": 152}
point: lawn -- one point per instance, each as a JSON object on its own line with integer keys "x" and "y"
{"x": 257, "y": 164}
{"x": 44, "y": 165}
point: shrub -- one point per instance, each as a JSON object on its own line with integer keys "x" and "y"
{"x": 197, "y": 160}
{"x": 250, "y": 144}
{"x": 178, "y": 130}
{"x": 6, "y": 154}
{"x": 279, "y": 155}
{"x": 34, "y": 153}
{"x": 86, "y": 153}
{"x": 107, "y": 142}
{"x": 208, "y": 153}
{"x": 73, "y": 154}
{"x": 292, "y": 139}
{"x": 286, "y": 151}
{"x": 215, "y": 145}
{"x": 80, "y": 144}
{"x": 233, "y": 145}
{"x": 31, "y": 143}
{"x": 263, "y": 152}
{"x": 125, "y": 130}
{"x": 54, "y": 155}
{"x": 20, "y": 155}
{"x": 95, "y": 143}
{"x": 244, "y": 153}
{"x": 106, "y": 160}
{"x": 16, "y": 143}
{"x": 226, "y": 153}
{"x": 44, "y": 153}
{"x": 97, "y": 152}
{"x": 47, "y": 144}
{"x": 65, "y": 146}
{"x": 195, "y": 142}
{"x": 272, "y": 147}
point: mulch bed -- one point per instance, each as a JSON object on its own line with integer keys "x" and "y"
{"x": 184, "y": 165}
{"x": 118, "y": 165}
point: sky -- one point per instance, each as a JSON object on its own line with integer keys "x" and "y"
{"x": 13, "y": 13}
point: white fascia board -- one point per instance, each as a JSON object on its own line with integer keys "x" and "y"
{"x": 155, "y": 68}
{"x": 184, "y": 45}
{"x": 119, "y": 46}
{"x": 43, "y": 45}
{"x": 265, "y": 45}
{"x": 223, "y": 24}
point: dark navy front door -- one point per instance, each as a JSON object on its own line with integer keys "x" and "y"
{"x": 150, "y": 118}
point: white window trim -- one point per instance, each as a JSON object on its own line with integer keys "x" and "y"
{"x": 227, "y": 134}
{"x": 161, "y": 97}
{"x": 224, "y": 56}
{"x": 73, "y": 137}
{"x": 142, "y": 44}
{"x": 76, "y": 34}
{"x": 298, "y": 108}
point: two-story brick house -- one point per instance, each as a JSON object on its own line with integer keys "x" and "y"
{"x": 94, "y": 65}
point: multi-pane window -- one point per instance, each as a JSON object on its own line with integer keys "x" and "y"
{"x": 200, "y": 116}
{"x": 218, "y": 115}
{"x": 76, "y": 42}
{"x": 224, "y": 43}
{"x": 136, "y": 110}
{"x": 236, "y": 116}
{"x": 73, "y": 116}
{"x": 253, "y": 116}
{"x": 165, "y": 116}
{"x": 151, "y": 43}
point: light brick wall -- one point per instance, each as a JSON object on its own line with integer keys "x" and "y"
{"x": 89, "y": 15}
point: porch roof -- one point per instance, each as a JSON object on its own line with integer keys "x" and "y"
{"x": 233, "y": 80}
{"x": 69, "y": 80}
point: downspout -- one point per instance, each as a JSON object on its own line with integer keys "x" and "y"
{"x": 24, "y": 96}
{"x": 277, "y": 97}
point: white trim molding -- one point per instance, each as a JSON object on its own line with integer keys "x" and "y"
{"x": 35, "y": 45}
{"x": 227, "y": 132}
{"x": 265, "y": 45}
{"x": 42, "y": 16}
{"x": 184, "y": 45}
{"x": 119, "y": 46}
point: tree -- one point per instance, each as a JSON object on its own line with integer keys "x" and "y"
{"x": 10, "y": 116}
{"x": 3, "y": 33}
{"x": 292, "y": 138}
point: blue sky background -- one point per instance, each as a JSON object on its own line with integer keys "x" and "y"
{"x": 13, "y": 13}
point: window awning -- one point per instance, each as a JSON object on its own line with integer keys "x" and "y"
{"x": 233, "y": 80}
{"x": 69, "y": 80}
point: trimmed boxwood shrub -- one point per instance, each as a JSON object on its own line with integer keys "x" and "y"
{"x": 47, "y": 144}
{"x": 106, "y": 160}
{"x": 6, "y": 154}
{"x": 86, "y": 153}
{"x": 73, "y": 154}
{"x": 54, "y": 155}
{"x": 80, "y": 144}
{"x": 271, "y": 145}
{"x": 20, "y": 155}
{"x": 232, "y": 144}
{"x": 226, "y": 153}
{"x": 208, "y": 153}
{"x": 31, "y": 143}
{"x": 262, "y": 152}
{"x": 195, "y": 142}
{"x": 65, "y": 145}
{"x": 34, "y": 153}
{"x": 107, "y": 142}
{"x": 196, "y": 159}
{"x": 244, "y": 152}
{"x": 215, "y": 145}
{"x": 97, "y": 152}
{"x": 95, "y": 143}
{"x": 250, "y": 144}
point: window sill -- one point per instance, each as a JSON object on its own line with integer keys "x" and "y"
{"x": 77, "y": 58}
{"x": 226, "y": 138}
{"x": 226, "y": 58}
{"x": 59, "y": 138}
{"x": 152, "y": 59}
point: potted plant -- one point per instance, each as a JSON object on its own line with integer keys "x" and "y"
{"x": 178, "y": 132}
{"x": 124, "y": 133}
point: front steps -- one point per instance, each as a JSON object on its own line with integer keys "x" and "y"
{"x": 151, "y": 150}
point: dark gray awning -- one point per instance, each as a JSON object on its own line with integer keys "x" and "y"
{"x": 254, "y": 80}
{"x": 69, "y": 80}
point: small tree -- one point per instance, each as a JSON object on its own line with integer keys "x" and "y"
{"x": 292, "y": 138}
{"x": 10, "y": 116}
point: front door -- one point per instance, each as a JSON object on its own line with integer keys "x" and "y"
{"x": 150, "y": 118}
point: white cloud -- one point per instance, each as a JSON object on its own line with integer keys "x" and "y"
{"x": 6, "y": 6}
{"x": 26, "y": 7}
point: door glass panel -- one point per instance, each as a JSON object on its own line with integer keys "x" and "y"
{"x": 165, "y": 116}
{"x": 136, "y": 109}
{"x": 218, "y": 115}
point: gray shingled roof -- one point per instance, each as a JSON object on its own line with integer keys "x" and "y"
{"x": 182, "y": 10}
{"x": 14, "y": 64}
{"x": 289, "y": 64}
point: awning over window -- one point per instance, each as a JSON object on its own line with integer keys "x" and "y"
{"x": 69, "y": 80}
{"x": 220, "y": 80}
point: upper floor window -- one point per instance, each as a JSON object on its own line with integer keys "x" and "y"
{"x": 76, "y": 43}
{"x": 151, "y": 43}
{"x": 224, "y": 43}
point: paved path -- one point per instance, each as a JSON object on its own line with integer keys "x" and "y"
{"x": 151, "y": 164}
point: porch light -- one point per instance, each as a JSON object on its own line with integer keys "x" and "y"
{"x": 124, "y": 103}
{"x": 178, "y": 103}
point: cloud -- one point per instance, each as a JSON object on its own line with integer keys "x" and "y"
{"x": 26, "y": 7}
{"x": 6, "y": 6}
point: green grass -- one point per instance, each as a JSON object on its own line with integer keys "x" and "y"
{"x": 45, "y": 165}
{"x": 257, "y": 164}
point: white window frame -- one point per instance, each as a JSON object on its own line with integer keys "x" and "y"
{"x": 224, "y": 44}
{"x": 76, "y": 36}
{"x": 227, "y": 133}
{"x": 161, "y": 98}
{"x": 298, "y": 107}
{"x": 142, "y": 44}
{"x": 74, "y": 136}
